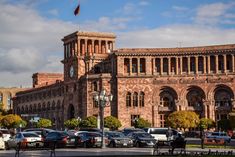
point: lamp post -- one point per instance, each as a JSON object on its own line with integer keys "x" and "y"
{"x": 102, "y": 98}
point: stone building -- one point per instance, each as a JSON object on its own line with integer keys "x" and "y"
{"x": 6, "y": 96}
{"x": 149, "y": 83}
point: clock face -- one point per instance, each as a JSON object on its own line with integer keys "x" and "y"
{"x": 71, "y": 71}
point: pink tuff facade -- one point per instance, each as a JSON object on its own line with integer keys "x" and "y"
{"x": 149, "y": 83}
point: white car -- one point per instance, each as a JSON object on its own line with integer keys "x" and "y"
{"x": 28, "y": 138}
{"x": 2, "y": 143}
{"x": 6, "y": 134}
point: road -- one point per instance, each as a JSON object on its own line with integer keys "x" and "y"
{"x": 71, "y": 152}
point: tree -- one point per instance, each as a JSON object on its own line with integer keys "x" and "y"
{"x": 10, "y": 121}
{"x": 72, "y": 123}
{"x": 224, "y": 125}
{"x": 206, "y": 123}
{"x": 141, "y": 123}
{"x": 2, "y": 111}
{"x": 112, "y": 123}
{"x": 183, "y": 119}
{"x": 89, "y": 122}
{"x": 44, "y": 123}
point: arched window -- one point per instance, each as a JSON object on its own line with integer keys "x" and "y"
{"x": 128, "y": 99}
{"x": 141, "y": 99}
{"x": 135, "y": 99}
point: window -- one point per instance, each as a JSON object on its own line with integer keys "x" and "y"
{"x": 95, "y": 104}
{"x": 126, "y": 65}
{"x": 1, "y": 98}
{"x": 165, "y": 65}
{"x": 95, "y": 86}
{"x": 135, "y": 99}
{"x": 157, "y": 65}
{"x": 128, "y": 99}
{"x": 9, "y": 102}
{"x": 142, "y": 65}
{"x": 134, "y": 65}
{"x": 134, "y": 119}
{"x": 141, "y": 99}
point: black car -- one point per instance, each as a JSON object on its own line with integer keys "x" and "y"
{"x": 127, "y": 131}
{"x": 61, "y": 139}
{"x": 118, "y": 139}
{"x": 142, "y": 139}
{"x": 90, "y": 139}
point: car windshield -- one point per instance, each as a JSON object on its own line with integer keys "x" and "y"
{"x": 117, "y": 134}
{"x": 145, "y": 135}
{"x": 158, "y": 131}
{"x": 30, "y": 135}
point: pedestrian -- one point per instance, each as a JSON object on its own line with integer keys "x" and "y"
{"x": 169, "y": 134}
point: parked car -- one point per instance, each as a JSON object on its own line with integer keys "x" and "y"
{"x": 2, "y": 142}
{"x": 6, "y": 134}
{"x": 25, "y": 138}
{"x": 160, "y": 134}
{"x": 218, "y": 136}
{"x": 142, "y": 139}
{"x": 118, "y": 139}
{"x": 91, "y": 139}
{"x": 127, "y": 131}
{"x": 61, "y": 139}
{"x": 42, "y": 132}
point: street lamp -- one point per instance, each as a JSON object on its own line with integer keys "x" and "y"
{"x": 102, "y": 98}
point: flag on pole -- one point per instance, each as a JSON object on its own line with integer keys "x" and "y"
{"x": 77, "y": 10}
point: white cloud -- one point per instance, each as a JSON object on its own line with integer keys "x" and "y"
{"x": 170, "y": 36}
{"x": 54, "y": 12}
{"x": 143, "y": 3}
{"x": 180, "y": 8}
{"x": 27, "y": 41}
{"x": 213, "y": 13}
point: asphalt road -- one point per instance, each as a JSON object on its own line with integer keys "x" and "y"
{"x": 198, "y": 141}
{"x": 71, "y": 152}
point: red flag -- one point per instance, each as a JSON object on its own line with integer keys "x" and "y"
{"x": 77, "y": 10}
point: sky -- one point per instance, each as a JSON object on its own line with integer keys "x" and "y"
{"x": 31, "y": 30}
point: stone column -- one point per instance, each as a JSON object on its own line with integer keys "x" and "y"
{"x": 130, "y": 66}
{"x": 86, "y": 47}
{"x": 138, "y": 66}
{"x": 181, "y": 65}
{"x": 189, "y": 65}
{"x": 99, "y": 47}
{"x": 176, "y": 66}
{"x": 107, "y": 46}
{"x": 161, "y": 66}
{"x": 153, "y": 66}
{"x": 169, "y": 65}
{"x": 225, "y": 63}
{"x": 204, "y": 64}
{"x": 196, "y": 64}
{"x": 208, "y": 64}
{"x": 78, "y": 47}
{"x": 92, "y": 47}
{"x": 232, "y": 56}
{"x": 216, "y": 64}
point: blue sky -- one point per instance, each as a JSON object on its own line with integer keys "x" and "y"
{"x": 31, "y": 30}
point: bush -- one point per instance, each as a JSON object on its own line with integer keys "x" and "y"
{"x": 142, "y": 123}
{"x": 89, "y": 122}
{"x": 72, "y": 123}
{"x": 112, "y": 123}
{"x": 44, "y": 123}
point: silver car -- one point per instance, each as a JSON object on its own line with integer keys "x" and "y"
{"x": 26, "y": 138}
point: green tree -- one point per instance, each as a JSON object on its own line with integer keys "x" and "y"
{"x": 206, "y": 123}
{"x": 183, "y": 119}
{"x": 44, "y": 123}
{"x": 72, "y": 123}
{"x": 10, "y": 121}
{"x": 141, "y": 123}
{"x": 224, "y": 125}
{"x": 89, "y": 122}
{"x": 112, "y": 123}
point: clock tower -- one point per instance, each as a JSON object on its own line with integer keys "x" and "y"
{"x": 83, "y": 50}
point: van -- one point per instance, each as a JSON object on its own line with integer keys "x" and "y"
{"x": 160, "y": 133}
